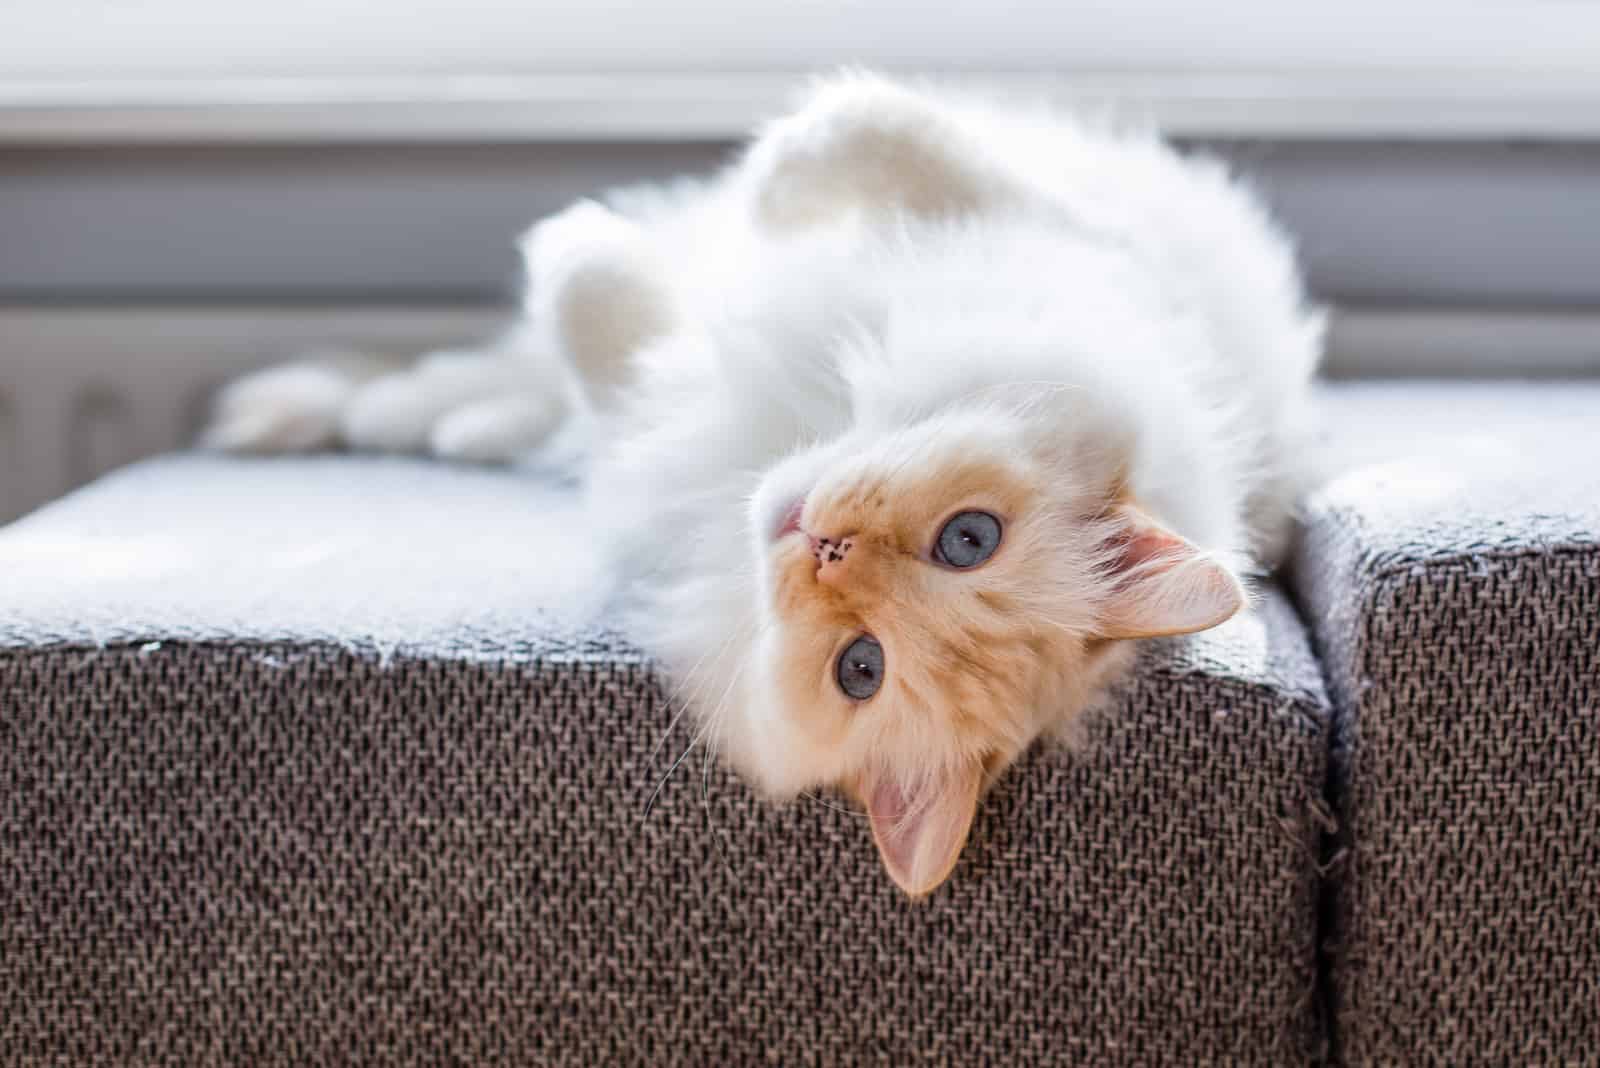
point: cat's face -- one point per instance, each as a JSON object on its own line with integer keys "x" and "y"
{"x": 935, "y": 598}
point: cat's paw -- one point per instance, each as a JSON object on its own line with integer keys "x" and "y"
{"x": 585, "y": 233}
{"x": 294, "y": 407}
{"x": 475, "y": 406}
{"x": 501, "y": 430}
{"x": 860, "y": 143}
{"x": 597, "y": 288}
{"x": 397, "y": 412}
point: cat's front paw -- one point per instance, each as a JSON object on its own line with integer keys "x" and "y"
{"x": 293, "y": 407}
{"x": 598, "y": 289}
{"x": 483, "y": 407}
{"x": 584, "y": 233}
{"x": 500, "y": 430}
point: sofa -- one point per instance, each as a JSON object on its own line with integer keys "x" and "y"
{"x": 308, "y": 761}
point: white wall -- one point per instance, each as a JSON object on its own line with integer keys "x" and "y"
{"x": 459, "y": 70}
{"x": 103, "y": 39}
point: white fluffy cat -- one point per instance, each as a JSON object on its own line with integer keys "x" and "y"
{"x": 904, "y": 428}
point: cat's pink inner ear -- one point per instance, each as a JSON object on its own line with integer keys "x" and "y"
{"x": 1163, "y": 584}
{"x": 920, "y": 835}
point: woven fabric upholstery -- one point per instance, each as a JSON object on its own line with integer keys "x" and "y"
{"x": 1452, "y": 577}
{"x": 292, "y": 772}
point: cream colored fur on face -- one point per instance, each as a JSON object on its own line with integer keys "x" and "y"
{"x": 896, "y": 306}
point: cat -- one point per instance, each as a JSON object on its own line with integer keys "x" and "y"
{"x": 904, "y": 430}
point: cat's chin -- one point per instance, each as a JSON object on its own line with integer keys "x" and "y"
{"x": 776, "y": 769}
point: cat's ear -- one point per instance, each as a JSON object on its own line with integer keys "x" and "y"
{"x": 920, "y": 834}
{"x": 1163, "y": 584}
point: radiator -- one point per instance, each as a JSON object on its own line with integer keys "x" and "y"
{"x": 84, "y": 390}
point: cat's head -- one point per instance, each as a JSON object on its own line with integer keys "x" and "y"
{"x": 936, "y": 597}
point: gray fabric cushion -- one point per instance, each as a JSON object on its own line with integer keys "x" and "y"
{"x": 293, "y": 771}
{"x": 1452, "y": 579}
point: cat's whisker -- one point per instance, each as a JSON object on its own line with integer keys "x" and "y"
{"x": 672, "y": 696}
{"x": 909, "y": 458}
{"x": 825, "y": 803}
{"x": 1056, "y": 623}
{"x": 705, "y": 803}
{"x": 688, "y": 701}
{"x": 714, "y": 721}
{"x": 684, "y": 702}
{"x": 650, "y": 804}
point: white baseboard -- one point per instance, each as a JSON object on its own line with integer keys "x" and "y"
{"x": 85, "y": 389}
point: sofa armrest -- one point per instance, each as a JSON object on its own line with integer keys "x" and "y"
{"x": 1450, "y": 572}
{"x": 294, "y": 768}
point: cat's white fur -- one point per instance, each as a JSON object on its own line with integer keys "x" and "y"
{"x": 884, "y": 275}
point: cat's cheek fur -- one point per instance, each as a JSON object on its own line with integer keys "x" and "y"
{"x": 785, "y": 755}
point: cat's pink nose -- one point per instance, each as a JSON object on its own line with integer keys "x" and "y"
{"x": 830, "y": 554}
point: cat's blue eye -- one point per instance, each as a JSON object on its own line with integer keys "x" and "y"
{"x": 967, "y": 540}
{"x": 860, "y": 668}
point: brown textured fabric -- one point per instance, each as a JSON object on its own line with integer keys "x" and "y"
{"x": 321, "y": 850}
{"x": 1453, "y": 583}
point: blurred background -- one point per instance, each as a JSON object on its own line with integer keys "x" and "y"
{"x": 189, "y": 189}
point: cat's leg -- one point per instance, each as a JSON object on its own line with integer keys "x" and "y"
{"x": 488, "y": 405}
{"x": 415, "y": 411}
{"x": 863, "y": 144}
{"x": 498, "y": 429}
{"x": 293, "y": 407}
{"x": 596, "y": 297}
{"x": 598, "y": 291}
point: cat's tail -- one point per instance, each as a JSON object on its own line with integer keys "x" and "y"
{"x": 494, "y": 404}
